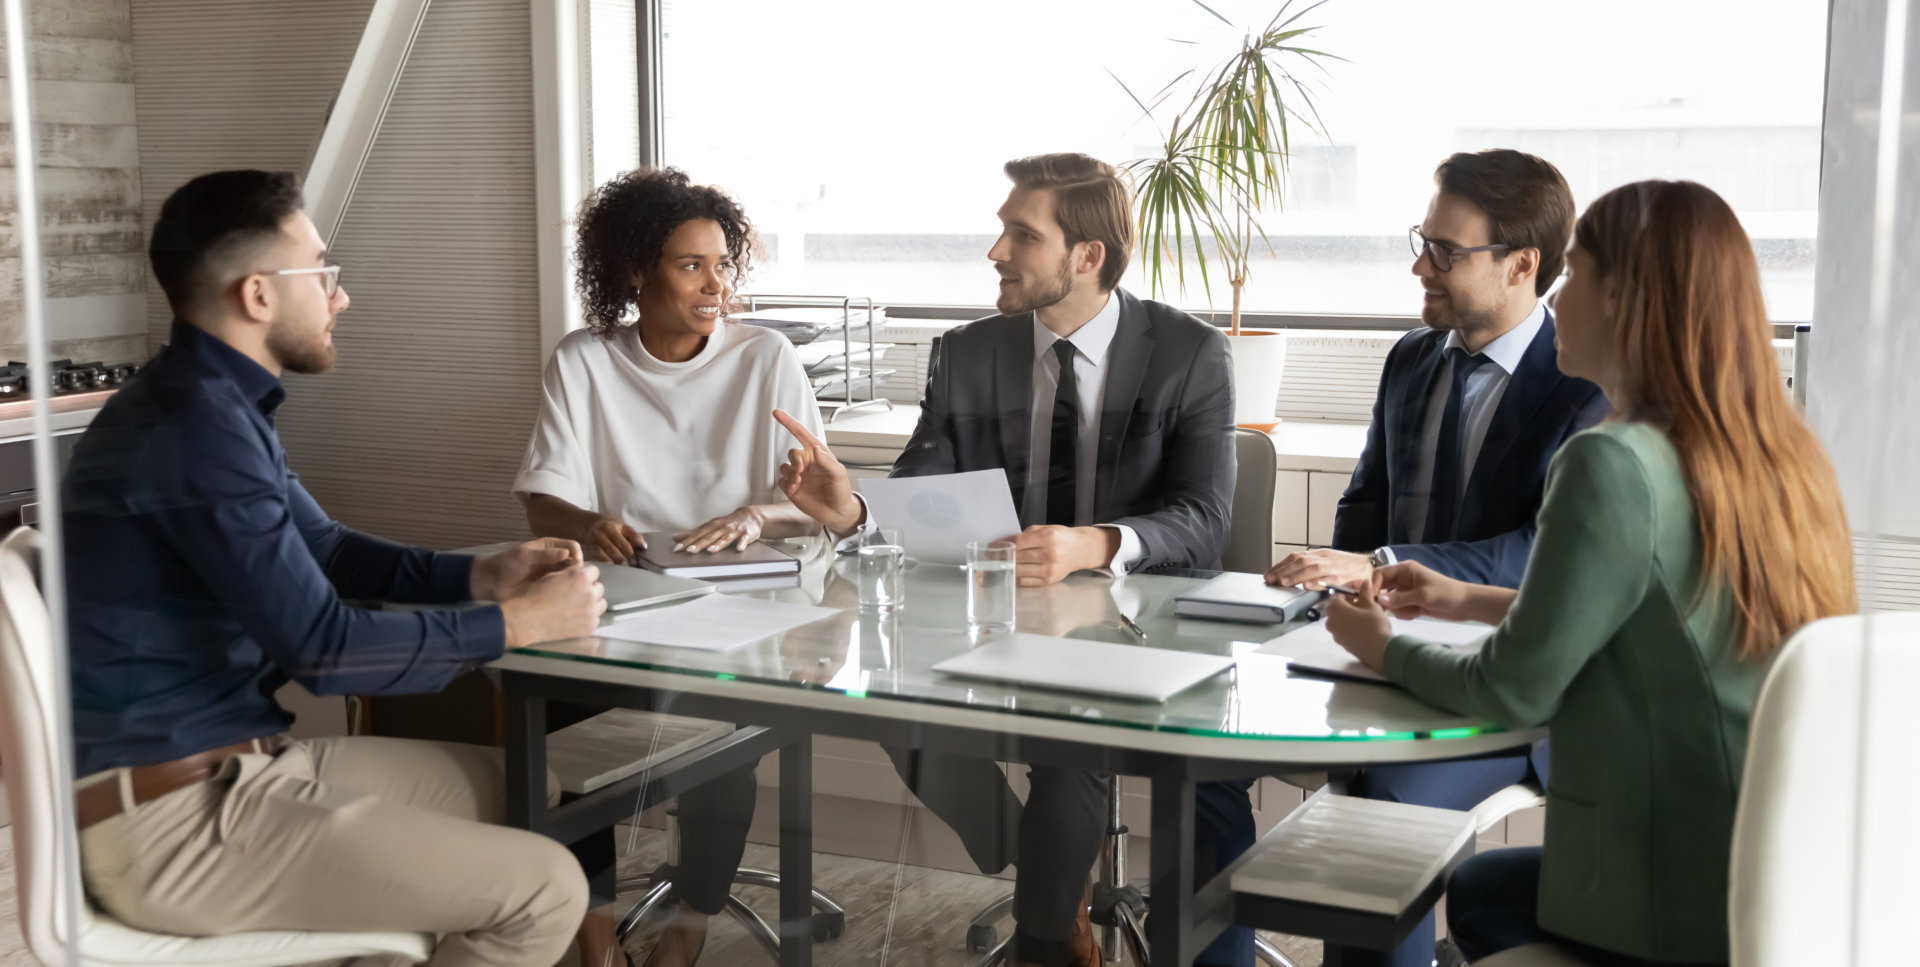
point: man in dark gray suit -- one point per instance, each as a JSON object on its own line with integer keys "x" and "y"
{"x": 1113, "y": 418}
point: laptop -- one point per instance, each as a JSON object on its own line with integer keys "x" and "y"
{"x": 631, "y": 587}
{"x": 1096, "y": 667}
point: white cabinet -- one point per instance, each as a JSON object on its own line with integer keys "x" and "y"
{"x": 1290, "y": 507}
{"x": 1323, "y": 501}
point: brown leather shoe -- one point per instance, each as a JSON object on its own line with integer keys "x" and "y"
{"x": 679, "y": 946}
{"x": 1085, "y": 952}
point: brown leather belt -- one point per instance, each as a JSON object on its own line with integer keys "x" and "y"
{"x": 101, "y": 801}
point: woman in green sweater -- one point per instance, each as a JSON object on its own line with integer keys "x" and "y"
{"x": 1678, "y": 545}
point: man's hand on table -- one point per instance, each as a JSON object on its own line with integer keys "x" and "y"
{"x": 815, "y": 481}
{"x": 564, "y": 604}
{"x": 1046, "y": 553}
{"x": 1319, "y": 568}
{"x": 511, "y": 572}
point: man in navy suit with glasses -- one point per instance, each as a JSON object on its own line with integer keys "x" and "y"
{"x": 1470, "y": 411}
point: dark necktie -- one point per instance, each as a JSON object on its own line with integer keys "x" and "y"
{"x": 1444, "y": 494}
{"x": 1063, "y": 454}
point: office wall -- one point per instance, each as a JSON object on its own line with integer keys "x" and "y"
{"x": 418, "y": 434}
{"x": 81, "y": 55}
{"x": 232, "y": 84}
{"x": 1867, "y": 422}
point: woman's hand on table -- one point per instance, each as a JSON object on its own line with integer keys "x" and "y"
{"x": 1414, "y": 590}
{"x": 735, "y": 530}
{"x": 612, "y": 539}
{"x": 1360, "y": 625}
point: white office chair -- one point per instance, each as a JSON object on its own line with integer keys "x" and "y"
{"x": 30, "y": 724}
{"x": 1823, "y": 844}
{"x": 1823, "y": 847}
{"x": 1250, "y": 539}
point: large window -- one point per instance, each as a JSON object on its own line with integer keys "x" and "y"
{"x": 865, "y": 137}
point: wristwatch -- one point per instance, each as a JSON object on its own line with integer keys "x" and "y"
{"x": 1382, "y": 557}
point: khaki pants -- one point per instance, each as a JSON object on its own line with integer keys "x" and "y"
{"x": 347, "y": 834}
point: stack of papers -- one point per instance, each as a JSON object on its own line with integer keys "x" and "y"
{"x": 804, "y": 325}
{"x": 1313, "y": 650}
{"x": 714, "y": 623}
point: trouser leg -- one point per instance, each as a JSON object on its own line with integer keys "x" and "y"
{"x": 1060, "y": 833}
{"x": 357, "y": 834}
{"x": 1493, "y": 901}
{"x": 1223, "y": 829}
{"x": 971, "y": 795}
{"x": 714, "y": 818}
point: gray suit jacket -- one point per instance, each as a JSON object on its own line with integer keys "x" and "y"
{"x": 1166, "y": 465}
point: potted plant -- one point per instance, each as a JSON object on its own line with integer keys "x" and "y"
{"x": 1222, "y": 165}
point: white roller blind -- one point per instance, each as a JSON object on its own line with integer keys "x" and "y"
{"x": 232, "y": 84}
{"x": 417, "y": 435}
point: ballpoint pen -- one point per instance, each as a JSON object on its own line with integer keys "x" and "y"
{"x": 1132, "y": 627}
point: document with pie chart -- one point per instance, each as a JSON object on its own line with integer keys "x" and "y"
{"x": 938, "y": 515}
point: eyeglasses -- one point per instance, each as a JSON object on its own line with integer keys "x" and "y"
{"x": 1442, "y": 254}
{"x": 329, "y": 276}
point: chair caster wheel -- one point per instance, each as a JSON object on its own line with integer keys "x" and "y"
{"x": 828, "y": 926}
{"x": 982, "y": 938}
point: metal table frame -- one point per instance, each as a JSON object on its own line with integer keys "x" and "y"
{"x": 1186, "y": 915}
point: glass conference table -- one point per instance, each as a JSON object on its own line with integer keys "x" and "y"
{"x": 868, "y": 676}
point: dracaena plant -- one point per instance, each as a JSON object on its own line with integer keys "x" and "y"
{"x": 1224, "y": 156}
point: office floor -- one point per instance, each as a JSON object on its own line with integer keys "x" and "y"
{"x": 896, "y": 914}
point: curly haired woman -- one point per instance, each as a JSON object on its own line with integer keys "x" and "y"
{"x": 658, "y": 423}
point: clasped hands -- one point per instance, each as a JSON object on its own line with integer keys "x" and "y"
{"x": 816, "y": 482}
{"x": 545, "y": 588}
{"x": 1359, "y": 622}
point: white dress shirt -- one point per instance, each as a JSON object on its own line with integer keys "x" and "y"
{"x": 1090, "y": 345}
{"x": 1481, "y": 398}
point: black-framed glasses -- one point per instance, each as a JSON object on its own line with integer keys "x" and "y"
{"x": 1440, "y": 253}
{"x": 329, "y": 276}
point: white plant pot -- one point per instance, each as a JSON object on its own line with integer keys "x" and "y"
{"x": 1259, "y": 359}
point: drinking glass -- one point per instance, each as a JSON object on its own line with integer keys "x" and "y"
{"x": 990, "y": 586}
{"x": 882, "y": 562}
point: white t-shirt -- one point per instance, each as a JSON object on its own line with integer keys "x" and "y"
{"x": 666, "y": 446}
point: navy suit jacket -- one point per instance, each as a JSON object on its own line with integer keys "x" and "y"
{"x": 1540, "y": 409}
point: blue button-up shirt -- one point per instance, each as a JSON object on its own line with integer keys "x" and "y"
{"x": 201, "y": 576}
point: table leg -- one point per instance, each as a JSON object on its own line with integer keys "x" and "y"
{"x": 796, "y": 853}
{"x": 526, "y": 757}
{"x": 1169, "y": 923}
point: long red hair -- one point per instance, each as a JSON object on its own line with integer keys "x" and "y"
{"x": 1696, "y": 357}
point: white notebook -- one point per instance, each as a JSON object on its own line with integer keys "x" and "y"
{"x": 1313, "y": 650}
{"x": 1095, "y": 667}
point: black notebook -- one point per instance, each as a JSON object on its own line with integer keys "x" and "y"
{"x": 757, "y": 559}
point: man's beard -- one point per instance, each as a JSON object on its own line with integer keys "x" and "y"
{"x": 1015, "y": 303}
{"x": 312, "y": 354}
{"x": 1461, "y": 320}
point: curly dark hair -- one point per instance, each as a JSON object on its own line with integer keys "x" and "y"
{"x": 624, "y": 225}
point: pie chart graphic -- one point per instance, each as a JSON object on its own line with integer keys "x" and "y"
{"x": 938, "y": 511}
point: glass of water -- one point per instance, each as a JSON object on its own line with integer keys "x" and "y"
{"x": 882, "y": 562}
{"x": 990, "y": 586}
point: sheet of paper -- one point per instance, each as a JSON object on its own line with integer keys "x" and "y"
{"x": 717, "y": 622}
{"x": 1313, "y": 649}
{"x": 938, "y": 515}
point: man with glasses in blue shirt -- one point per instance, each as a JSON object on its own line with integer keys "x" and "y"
{"x": 202, "y": 577}
{"x": 1470, "y": 411}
